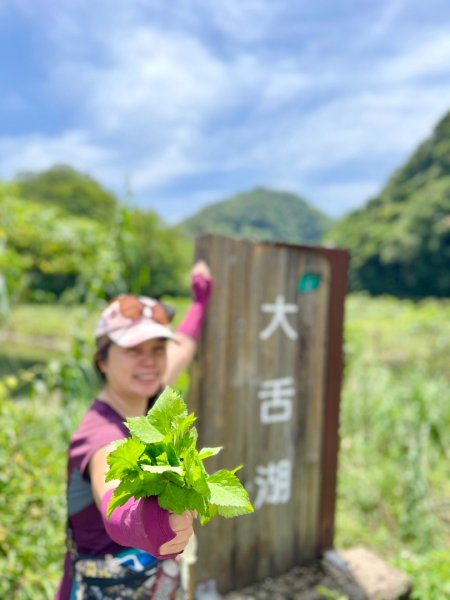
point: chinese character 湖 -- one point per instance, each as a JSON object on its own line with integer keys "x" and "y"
{"x": 274, "y": 483}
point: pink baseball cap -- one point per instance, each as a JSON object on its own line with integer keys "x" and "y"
{"x": 129, "y": 320}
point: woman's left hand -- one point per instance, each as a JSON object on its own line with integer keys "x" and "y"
{"x": 182, "y": 525}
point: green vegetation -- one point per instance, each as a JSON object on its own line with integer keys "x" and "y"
{"x": 160, "y": 458}
{"x": 58, "y": 249}
{"x": 33, "y": 439}
{"x": 75, "y": 193}
{"x": 400, "y": 242}
{"x": 394, "y": 490}
{"x": 262, "y": 215}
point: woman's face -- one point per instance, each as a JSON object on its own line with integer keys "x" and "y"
{"x": 136, "y": 372}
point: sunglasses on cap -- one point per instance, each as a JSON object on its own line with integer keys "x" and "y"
{"x": 132, "y": 307}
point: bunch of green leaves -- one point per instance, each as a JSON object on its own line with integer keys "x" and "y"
{"x": 161, "y": 459}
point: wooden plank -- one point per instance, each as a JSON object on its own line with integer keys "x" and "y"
{"x": 235, "y": 368}
{"x": 339, "y": 262}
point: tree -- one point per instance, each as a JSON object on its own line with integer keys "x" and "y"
{"x": 76, "y": 193}
{"x": 400, "y": 241}
{"x": 156, "y": 258}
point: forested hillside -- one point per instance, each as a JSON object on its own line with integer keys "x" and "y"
{"x": 400, "y": 241}
{"x": 63, "y": 236}
{"x": 262, "y": 214}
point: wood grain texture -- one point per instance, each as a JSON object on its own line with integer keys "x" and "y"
{"x": 233, "y": 366}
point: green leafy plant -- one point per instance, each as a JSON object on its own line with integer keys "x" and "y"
{"x": 430, "y": 573}
{"x": 161, "y": 459}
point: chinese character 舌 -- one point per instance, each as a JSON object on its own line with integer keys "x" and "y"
{"x": 276, "y": 396}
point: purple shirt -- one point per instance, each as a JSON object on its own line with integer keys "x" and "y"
{"x": 100, "y": 426}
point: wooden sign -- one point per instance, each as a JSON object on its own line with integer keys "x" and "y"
{"x": 266, "y": 387}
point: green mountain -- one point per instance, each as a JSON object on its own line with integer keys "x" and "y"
{"x": 262, "y": 214}
{"x": 400, "y": 241}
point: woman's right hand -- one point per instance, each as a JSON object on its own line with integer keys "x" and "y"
{"x": 201, "y": 282}
{"x": 183, "y": 526}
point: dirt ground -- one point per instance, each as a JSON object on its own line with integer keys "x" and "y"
{"x": 352, "y": 574}
{"x": 310, "y": 582}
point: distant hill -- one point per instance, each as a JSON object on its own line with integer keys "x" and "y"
{"x": 262, "y": 214}
{"x": 75, "y": 192}
{"x": 400, "y": 241}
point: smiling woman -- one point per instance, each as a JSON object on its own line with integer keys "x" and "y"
{"x": 137, "y": 355}
{"x": 134, "y": 374}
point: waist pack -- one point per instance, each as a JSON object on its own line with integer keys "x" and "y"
{"x": 130, "y": 574}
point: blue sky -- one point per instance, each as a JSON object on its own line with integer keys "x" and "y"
{"x": 188, "y": 102}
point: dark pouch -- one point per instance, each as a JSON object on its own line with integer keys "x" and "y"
{"x": 107, "y": 578}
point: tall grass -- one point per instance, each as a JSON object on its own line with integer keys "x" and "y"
{"x": 394, "y": 484}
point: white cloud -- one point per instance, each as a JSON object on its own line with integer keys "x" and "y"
{"x": 182, "y": 206}
{"x": 155, "y": 172}
{"x": 336, "y": 199}
{"x": 39, "y": 152}
{"x": 420, "y": 60}
{"x": 367, "y": 125}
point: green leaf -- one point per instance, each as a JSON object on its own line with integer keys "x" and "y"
{"x": 211, "y": 513}
{"x": 169, "y": 406}
{"x": 128, "y": 488}
{"x": 207, "y": 452}
{"x": 117, "y": 499}
{"x": 185, "y": 423}
{"x": 178, "y": 500}
{"x": 143, "y": 430}
{"x": 123, "y": 461}
{"x": 173, "y": 498}
{"x": 195, "y": 474}
{"x": 172, "y": 457}
{"x": 162, "y": 469}
{"x": 196, "y": 501}
{"x": 234, "y": 511}
{"x": 153, "y": 451}
{"x": 152, "y": 484}
{"x": 227, "y": 490}
{"x": 186, "y": 441}
{"x": 175, "y": 478}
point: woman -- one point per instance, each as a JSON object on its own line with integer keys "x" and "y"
{"x": 137, "y": 355}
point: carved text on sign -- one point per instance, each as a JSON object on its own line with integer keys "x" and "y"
{"x": 274, "y": 483}
{"x": 276, "y": 396}
{"x": 280, "y": 309}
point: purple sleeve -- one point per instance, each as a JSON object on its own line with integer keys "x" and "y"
{"x": 192, "y": 323}
{"x": 139, "y": 524}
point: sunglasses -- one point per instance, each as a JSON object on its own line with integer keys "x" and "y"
{"x": 131, "y": 307}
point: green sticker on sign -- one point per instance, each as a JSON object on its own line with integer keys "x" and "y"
{"x": 309, "y": 282}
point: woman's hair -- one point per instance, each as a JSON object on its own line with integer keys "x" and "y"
{"x": 103, "y": 345}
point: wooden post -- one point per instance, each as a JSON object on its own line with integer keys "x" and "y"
{"x": 266, "y": 386}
